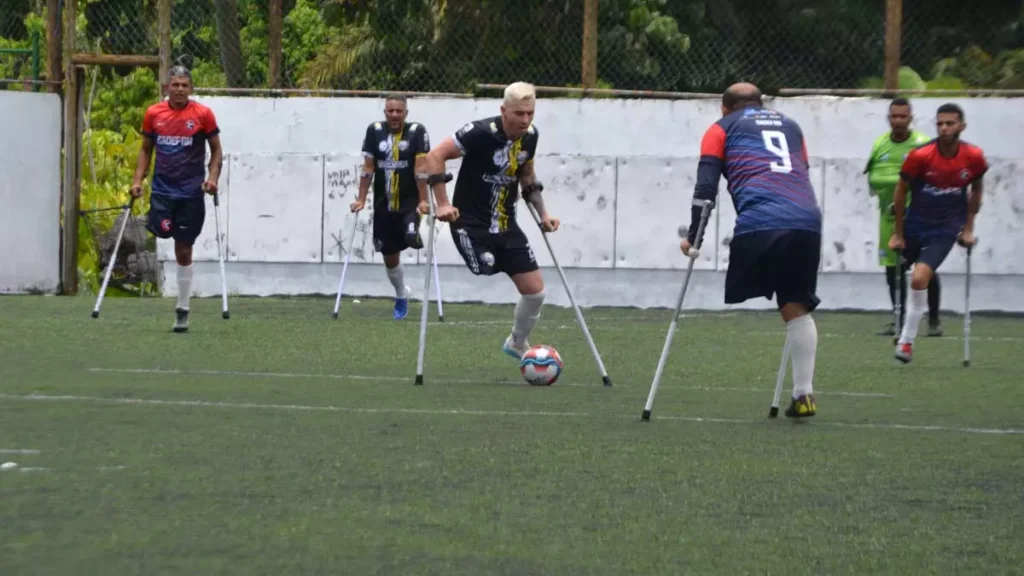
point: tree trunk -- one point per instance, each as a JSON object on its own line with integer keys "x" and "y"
{"x": 230, "y": 42}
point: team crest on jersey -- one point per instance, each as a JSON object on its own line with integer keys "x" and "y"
{"x": 403, "y": 145}
{"x": 522, "y": 156}
{"x": 965, "y": 174}
{"x": 383, "y": 146}
{"x": 501, "y": 158}
{"x": 190, "y": 124}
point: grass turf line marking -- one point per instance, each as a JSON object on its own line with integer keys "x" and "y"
{"x": 18, "y": 451}
{"x": 171, "y": 372}
{"x": 461, "y": 412}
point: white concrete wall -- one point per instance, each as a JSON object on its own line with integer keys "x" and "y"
{"x": 30, "y": 144}
{"x": 620, "y": 175}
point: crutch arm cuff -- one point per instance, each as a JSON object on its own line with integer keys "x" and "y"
{"x": 529, "y": 189}
{"x": 441, "y": 178}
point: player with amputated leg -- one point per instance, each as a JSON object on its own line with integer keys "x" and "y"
{"x": 393, "y": 155}
{"x": 776, "y": 244}
{"x": 179, "y": 129}
{"x": 498, "y": 154}
{"x": 941, "y": 211}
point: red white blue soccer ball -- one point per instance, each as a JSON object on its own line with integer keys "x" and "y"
{"x": 541, "y": 365}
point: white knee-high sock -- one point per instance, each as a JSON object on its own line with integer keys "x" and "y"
{"x": 184, "y": 285}
{"x": 526, "y": 317}
{"x": 397, "y": 277}
{"x": 917, "y": 306}
{"x": 802, "y": 333}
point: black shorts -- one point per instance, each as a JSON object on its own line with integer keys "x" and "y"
{"x": 487, "y": 254}
{"x": 930, "y": 250}
{"x": 390, "y": 230}
{"x": 178, "y": 218}
{"x": 774, "y": 262}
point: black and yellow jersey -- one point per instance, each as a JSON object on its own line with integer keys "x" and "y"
{"x": 394, "y": 157}
{"x": 487, "y": 188}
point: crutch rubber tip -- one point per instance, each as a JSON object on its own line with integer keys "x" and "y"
{"x": 607, "y": 380}
{"x": 440, "y": 318}
{"x": 967, "y": 363}
{"x": 646, "y": 416}
{"x": 419, "y": 379}
{"x": 226, "y": 314}
{"x": 334, "y": 315}
{"x": 774, "y": 412}
{"x": 95, "y": 313}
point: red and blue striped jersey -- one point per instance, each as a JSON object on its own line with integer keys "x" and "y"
{"x": 180, "y": 138}
{"x": 763, "y": 156}
{"x": 938, "y": 188}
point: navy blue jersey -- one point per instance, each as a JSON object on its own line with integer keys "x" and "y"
{"x": 763, "y": 156}
{"x": 938, "y": 188}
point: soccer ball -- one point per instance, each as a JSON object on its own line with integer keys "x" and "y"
{"x": 541, "y": 365}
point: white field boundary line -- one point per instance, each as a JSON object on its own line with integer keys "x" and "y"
{"x": 462, "y": 412}
{"x": 294, "y": 375}
{"x": 779, "y": 334}
{"x": 18, "y": 451}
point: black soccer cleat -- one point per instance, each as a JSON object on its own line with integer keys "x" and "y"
{"x": 181, "y": 323}
{"x": 802, "y": 407}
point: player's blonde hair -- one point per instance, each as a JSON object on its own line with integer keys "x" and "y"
{"x": 519, "y": 92}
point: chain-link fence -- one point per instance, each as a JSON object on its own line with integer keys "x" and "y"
{"x": 22, "y": 42}
{"x": 454, "y": 45}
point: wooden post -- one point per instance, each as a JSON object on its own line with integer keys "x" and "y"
{"x": 275, "y": 27}
{"x": 893, "y": 25}
{"x": 53, "y": 44}
{"x": 163, "y": 11}
{"x": 589, "y": 44}
{"x": 69, "y": 190}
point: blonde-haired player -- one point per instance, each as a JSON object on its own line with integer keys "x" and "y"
{"x": 497, "y": 155}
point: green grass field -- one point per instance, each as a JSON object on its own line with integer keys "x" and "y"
{"x": 284, "y": 442}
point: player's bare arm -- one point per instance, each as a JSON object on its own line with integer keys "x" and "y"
{"x": 142, "y": 166}
{"x": 967, "y": 238}
{"x": 420, "y": 167}
{"x": 435, "y": 165}
{"x": 216, "y": 162}
{"x": 533, "y": 193}
{"x": 899, "y": 206}
{"x": 365, "y": 179}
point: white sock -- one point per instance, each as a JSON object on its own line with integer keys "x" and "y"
{"x": 916, "y": 306}
{"x": 526, "y": 317}
{"x": 397, "y": 277}
{"x": 184, "y": 285}
{"x": 803, "y": 345}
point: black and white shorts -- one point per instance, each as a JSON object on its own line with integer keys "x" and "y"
{"x": 487, "y": 254}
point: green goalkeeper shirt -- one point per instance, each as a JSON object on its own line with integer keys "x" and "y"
{"x": 885, "y": 162}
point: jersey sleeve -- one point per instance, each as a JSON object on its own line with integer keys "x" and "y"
{"x": 709, "y": 172}
{"x": 871, "y": 157}
{"x": 531, "y": 144}
{"x": 209, "y": 123}
{"x": 148, "y": 129}
{"x": 979, "y": 164}
{"x": 914, "y": 166}
{"x": 469, "y": 137}
{"x": 421, "y": 141}
{"x": 369, "y": 147}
